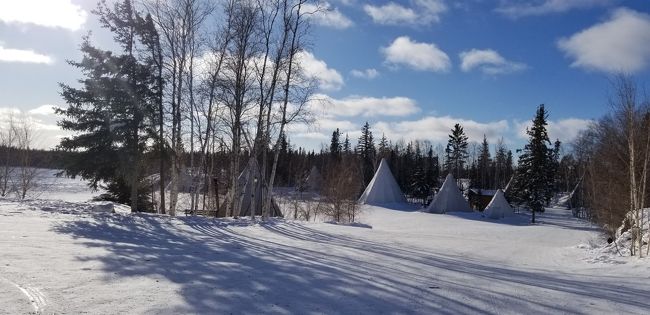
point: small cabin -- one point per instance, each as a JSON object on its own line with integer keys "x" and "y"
{"x": 480, "y": 198}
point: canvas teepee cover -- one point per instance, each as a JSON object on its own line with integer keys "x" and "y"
{"x": 249, "y": 189}
{"x": 449, "y": 199}
{"x": 383, "y": 188}
{"x": 314, "y": 180}
{"x": 498, "y": 207}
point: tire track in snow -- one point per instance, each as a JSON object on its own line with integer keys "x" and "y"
{"x": 36, "y": 297}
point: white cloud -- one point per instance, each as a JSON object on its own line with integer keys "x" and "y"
{"x": 316, "y": 69}
{"x": 322, "y": 129}
{"x": 620, "y": 44}
{"x": 365, "y": 74}
{"x": 324, "y": 14}
{"x": 566, "y": 130}
{"x": 437, "y": 129}
{"x": 43, "y": 110}
{"x": 488, "y": 61}
{"x": 49, "y": 13}
{"x": 415, "y": 55}
{"x": 420, "y": 12}
{"x": 391, "y": 13}
{"x": 518, "y": 9}
{"x": 23, "y": 56}
{"x": 365, "y": 106}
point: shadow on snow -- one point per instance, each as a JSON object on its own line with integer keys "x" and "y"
{"x": 235, "y": 266}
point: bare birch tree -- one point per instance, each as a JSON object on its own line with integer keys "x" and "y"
{"x": 25, "y": 137}
{"x": 294, "y": 28}
{"x": 7, "y": 143}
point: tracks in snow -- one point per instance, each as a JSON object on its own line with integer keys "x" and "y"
{"x": 36, "y": 298}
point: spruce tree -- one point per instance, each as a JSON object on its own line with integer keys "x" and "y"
{"x": 367, "y": 153}
{"x": 384, "y": 147}
{"x": 432, "y": 170}
{"x": 483, "y": 165}
{"x": 456, "y": 151}
{"x": 500, "y": 167}
{"x": 335, "y": 145}
{"x": 112, "y": 112}
{"x": 419, "y": 187}
{"x": 553, "y": 168}
{"x": 532, "y": 180}
{"x": 509, "y": 169}
{"x": 347, "y": 147}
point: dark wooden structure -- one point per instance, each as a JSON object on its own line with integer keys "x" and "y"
{"x": 480, "y": 198}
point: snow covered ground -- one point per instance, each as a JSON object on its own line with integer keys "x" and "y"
{"x": 58, "y": 257}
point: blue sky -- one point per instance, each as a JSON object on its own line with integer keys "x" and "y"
{"x": 412, "y": 68}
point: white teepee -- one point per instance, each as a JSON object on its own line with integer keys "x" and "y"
{"x": 250, "y": 187}
{"x": 449, "y": 199}
{"x": 383, "y": 188}
{"x": 314, "y": 180}
{"x": 498, "y": 207}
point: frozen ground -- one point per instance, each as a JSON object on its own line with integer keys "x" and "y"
{"x": 59, "y": 258}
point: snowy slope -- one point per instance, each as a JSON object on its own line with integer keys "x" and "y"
{"x": 67, "y": 260}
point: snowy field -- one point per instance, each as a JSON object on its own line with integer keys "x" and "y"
{"x": 59, "y": 257}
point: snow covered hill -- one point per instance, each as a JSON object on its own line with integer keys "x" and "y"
{"x": 57, "y": 257}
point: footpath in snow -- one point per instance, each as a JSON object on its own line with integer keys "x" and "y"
{"x": 58, "y": 257}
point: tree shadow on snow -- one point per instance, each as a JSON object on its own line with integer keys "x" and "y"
{"x": 233, "y": 266}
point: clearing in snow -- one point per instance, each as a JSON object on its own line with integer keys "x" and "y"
{"x": 61, "y": 257}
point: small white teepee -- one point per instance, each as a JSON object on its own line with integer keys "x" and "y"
{"x": 383, "y": 188}
{"x": 449, "y": 199}
{"x": 314, "y": 180}
{"x": 499, "y": 207}
{"x": 251, "y": 187}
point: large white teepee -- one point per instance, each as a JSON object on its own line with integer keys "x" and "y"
{"x": 449, "y": 198}
{"x": 383, "y": 188}
{"x": 498, "y": 207}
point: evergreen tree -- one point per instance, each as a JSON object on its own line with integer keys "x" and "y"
{"x": 500, "y": 167}
{"x": 408, "y": 169}
{"x": 483, "y": 165}
{"x": 384, "y": 147}
{"x": 509, "y": 170}
{"x": 532, "y": 180}
{"x": 419, "y": 187}
{"x": 432, "y": 171}
{"x": 112, "y": 112}
{"x": 456, "y": 151}
{"x": 335, "y": 145}
{"x": 347, "y": 147}
{"x": 553, "y": 168}
{"x": 367, "y": 153}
